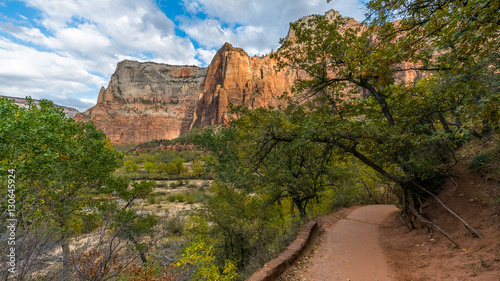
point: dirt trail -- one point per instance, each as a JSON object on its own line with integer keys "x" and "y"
{"x": 350, "y": 249}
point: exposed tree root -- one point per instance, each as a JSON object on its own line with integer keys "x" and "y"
{"x": 410, "y": 207}
{"x": 470, "y": 228}
{"x": 433, "y": 225}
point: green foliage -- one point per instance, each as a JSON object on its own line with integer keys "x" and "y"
{"x": 478, "y": 162}
{"x": 57, "y": 160}
{"x": 353, "y": 131}
{"x": 200, "y": 257}
{"x": 172, "y": 169}
{"x": 198, "y": 168}
{"x": 150, "y": 167}
{"x": 131, "y": 167}
{"x": 246, "y": 229}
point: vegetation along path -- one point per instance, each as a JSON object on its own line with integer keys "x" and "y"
{"x": 350, "y": 249}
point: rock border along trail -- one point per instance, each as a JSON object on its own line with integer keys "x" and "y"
{"x": 350, "y": 249}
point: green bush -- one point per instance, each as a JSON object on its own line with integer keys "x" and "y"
{"x": 179, "y": 197}
{"x": 150, "y": 167}
{"x": 174, "y": 185}
{"x": 479, "y": 162}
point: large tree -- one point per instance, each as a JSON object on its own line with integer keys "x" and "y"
{"x": 57, "y": 162}
{"x": 389, "y": 93}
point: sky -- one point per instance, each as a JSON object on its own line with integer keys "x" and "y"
{"x": 66, "y": 50}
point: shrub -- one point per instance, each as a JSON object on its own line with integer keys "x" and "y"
{"x": 150, "y": 167}
{"x": 479, "y": 162}
{"x": 131, "y": 167}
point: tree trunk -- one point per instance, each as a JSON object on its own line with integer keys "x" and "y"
{"x": 141, "y": 253}
{"x": 444, "y": 123}
{"x": 66, "y": 252}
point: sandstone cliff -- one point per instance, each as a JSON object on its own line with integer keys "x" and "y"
{"x": 146, "y": 101}
{"x": 235, "y": 78}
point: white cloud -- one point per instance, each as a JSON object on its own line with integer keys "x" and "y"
{"x": 26, "y": 71}
{"x": 206, "y": 56}
{"x": 103, "y": 30}
{"x": 256, "y": 25}
{"x": 72, "y": 47}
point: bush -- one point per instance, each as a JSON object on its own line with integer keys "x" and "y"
{"x": 150, "y": 167}
{"x": 176, "y": 197}
{"x": 151, "y": 199}
{"x": 162, "y": 184}
{"x": 174, "y": 185}
{"x": 479, "y": 162}
{"x": 131, "y": 167}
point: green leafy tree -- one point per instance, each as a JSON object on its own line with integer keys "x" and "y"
{"x": 199, "y": 256}
{"x": 179, "y": 163}
{"x": 358, "y": 107}
{"x": 150, "y": 167}
{"x": 56, "y": 162}
{"x": 198, "y": 168}
{"x": 172, "y": 169}
{"x": 131, "y": 167}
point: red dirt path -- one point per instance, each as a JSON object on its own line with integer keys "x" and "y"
{"x": 350, "y": 249}
{"x": 357, "y": 245}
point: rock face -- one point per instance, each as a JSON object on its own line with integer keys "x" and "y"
{"x": 235, "y": 78}
{"x": 146, "y": 101}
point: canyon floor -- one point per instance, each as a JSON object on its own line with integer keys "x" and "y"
{"x": 355, "y": 244}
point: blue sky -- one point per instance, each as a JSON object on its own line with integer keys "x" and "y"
{"x": 66, "y": 50}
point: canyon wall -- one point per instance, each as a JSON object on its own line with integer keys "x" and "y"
{"x": 235, "y": 78}
{"x": 146, "y": 101}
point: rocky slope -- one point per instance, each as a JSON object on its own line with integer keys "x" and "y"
{"x": 146, "y": 101}
{"x": 68, "y": 111}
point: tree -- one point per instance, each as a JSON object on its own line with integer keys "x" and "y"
{"x": 179, "y": 163}
{"x": 150, "y": 167}
{"x": 56, "y": 161}
{"x": 131, "y": 167}
{"x": 300, "y": 169}
{"x": 356, "y": 105}
{"x": 200, "y": 256}
{"x": 198, "y": 168}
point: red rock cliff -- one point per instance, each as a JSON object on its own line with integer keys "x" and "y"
{"x": 235, "y": 78}
{"x": 146, "y": 101}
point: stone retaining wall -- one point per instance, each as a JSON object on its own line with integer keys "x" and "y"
{"x": 274, "y": 268}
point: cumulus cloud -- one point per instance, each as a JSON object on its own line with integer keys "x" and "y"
{"x": 26, "y": 71}
{"x": 69, "y": 48}
{"x": 254, "y": 25}
{"x": 70, "y": 51}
